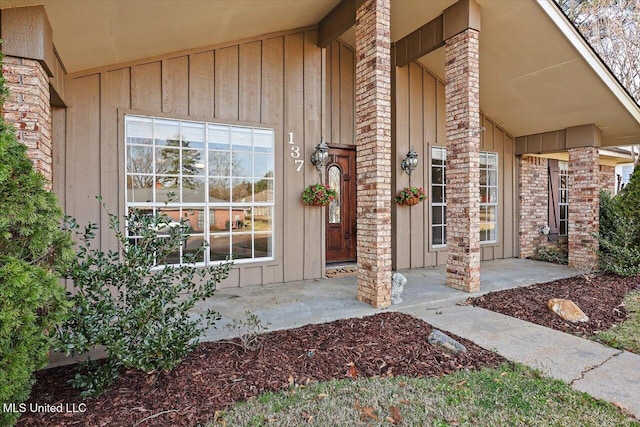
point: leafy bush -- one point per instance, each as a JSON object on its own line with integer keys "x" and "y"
{"x": 133, "y": 303}
{"x": 32, "y": 250}
{"x": 555, "y": 254}
{"x": 619, "y": 237}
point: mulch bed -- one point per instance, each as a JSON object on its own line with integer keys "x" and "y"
{"x": 216, "y": 375}
{"x": 600, "y": 298}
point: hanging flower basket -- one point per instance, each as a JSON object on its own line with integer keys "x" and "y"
{"x": 318, "y": 195}
{"x": 410, "y": 196}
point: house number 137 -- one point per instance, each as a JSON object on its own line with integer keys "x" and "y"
{"x": 295, "y": 153}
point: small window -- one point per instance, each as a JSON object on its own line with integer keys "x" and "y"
{"x": 488, "y": 197}
{"x": 334, "y": 183}
{"x": 438, "y": 197}
{"x": 563, "y": 198}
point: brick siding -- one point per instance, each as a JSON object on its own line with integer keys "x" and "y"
{"x": 373, "y": 151}
{"x": 583, "y": 207}
{"x": 462, "y": 104}
{"x": 534, "y": 204}
{"x": 28, "y": 108}
{"x": 608, "y": 180}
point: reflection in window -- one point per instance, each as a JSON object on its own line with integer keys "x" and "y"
{"x": 334, "y": 183}
{"x": 219, "y": 178}
{"x": 488, "y": 197}
{"x": 438, "y": 196}
{"x": 563, "y": 189}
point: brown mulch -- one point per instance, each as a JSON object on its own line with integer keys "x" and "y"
{"x": 216, "y": 375}
{"x": 600, "y": 298}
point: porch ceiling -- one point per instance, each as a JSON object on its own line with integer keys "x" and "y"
{"x": 533, "y": 79}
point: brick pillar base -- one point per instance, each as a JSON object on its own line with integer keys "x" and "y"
{"x": 584, "y": 204}
{"x": 462, "y": 103}
{"x": 28, "y": 108}
{"x": 534, "y": 210}
{"x": 373, "y": 151}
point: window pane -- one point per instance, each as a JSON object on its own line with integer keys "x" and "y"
{"x": 334, "y": 183}
{"x": 167, "y": 189}
{"x": 139, "y": 188}
{"x": 171, "y": 220}
{"x": 262, "y": 244}
{"x": 437, "y": 175}
{"x": 193, "y": 135}
{"x": 241, "y": 139}
{"x": 242, "y": 246}
{"x": 263, "y": 191}
{"x": 192, "y": 162}
{"x": 139, "y": 130}
{"x": 139, "y": 159}
{"x": 167, "y": 132}
{"x": 219, "y": 247}
{"x": 437, "y": 194}
{"x": 437, "y": 215}
{"x": 493, "y": 178}
{"x": 219, "y": 163}
{"x": 263, "y": 166}
{"x": 263, "y": 140}
{"x": 193, "y": 246}
{"x": 167, "y": 161}
{"x": 242, "y": 189}
{"x": 219, "y": 190}
{"x": 241, "y": 219}
{"x": 437, "y": 235}
{"x": 219, "y": 137}
{"x": 241, "y": 164}
{"x": 219, "y": 219}
{"x": 262, "y": 218}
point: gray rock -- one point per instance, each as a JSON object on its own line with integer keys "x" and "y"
{"x": 441, "y": 339}
{"x": 397, "y": 286}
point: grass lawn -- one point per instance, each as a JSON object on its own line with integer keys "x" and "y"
{"x": 505, "y": 396}
{"x": 625, "y": 336}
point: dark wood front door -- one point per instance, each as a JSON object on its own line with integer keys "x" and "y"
{"x": 340, "y": 174}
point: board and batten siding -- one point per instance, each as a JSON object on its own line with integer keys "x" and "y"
{"x": 419, "y": 123}
{"x": 276, "y": 81}
{"x": 340, "y": 95}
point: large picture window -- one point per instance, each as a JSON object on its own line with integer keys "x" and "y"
{"x": 488, "y": 197}
{"x": 220, "y": 178}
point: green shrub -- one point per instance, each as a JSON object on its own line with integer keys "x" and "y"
{"x": 619, "y": 237}
{"x": 33, "y": 249}
{"x": 555, "y": 254}
{"x": 134, "y": 304}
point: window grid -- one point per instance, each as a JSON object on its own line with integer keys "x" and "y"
{"x": 438, "y": 197}
{"x": 488, "y": 197}
{"x": 563, "y": 197}
{"x": 201, "y": 213}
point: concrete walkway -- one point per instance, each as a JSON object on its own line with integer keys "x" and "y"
{"x": 602, "y": 372}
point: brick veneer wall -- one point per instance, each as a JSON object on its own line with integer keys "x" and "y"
{"x": 583, "y": 207}
{"x": 28, "y": 108}
{"x": 534, "y": 204}
{"x": 373, "y": 151}
{"x": 608, "y": 180}
{"x": 462, "y": 105}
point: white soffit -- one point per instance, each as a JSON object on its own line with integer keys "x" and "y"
{"x": 94, "y": 33}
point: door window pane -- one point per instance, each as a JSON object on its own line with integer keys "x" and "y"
{"x": 334, "y": 178}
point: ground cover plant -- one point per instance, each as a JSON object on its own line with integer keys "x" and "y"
{"x": 504, "y": 396}
{"x": 33, "y": 250}
{"x": 626, "y": 335}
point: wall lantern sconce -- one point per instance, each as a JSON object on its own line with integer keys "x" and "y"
{"x": 319, "y": 157}
{"x": 410, "y": 162}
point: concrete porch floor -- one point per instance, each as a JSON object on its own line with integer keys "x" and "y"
{"x": 293, "y": 304}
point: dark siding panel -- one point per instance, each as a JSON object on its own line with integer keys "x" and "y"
{"x": 227, "y": 83}
{"x": 402, "y": 241}
{"x": 250, "y": 79}
{"x": 416, "y": 135}
{"x": 347, "y": 92}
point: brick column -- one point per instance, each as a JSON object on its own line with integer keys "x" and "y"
{"x": 28, "y": 108}
{"x": 533, "y": 182}
{"x": 373, "y": 151}
{"x": 584, "y": 203}
{"x": 462, "y": 104}
{"x": 608, "y": 179}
